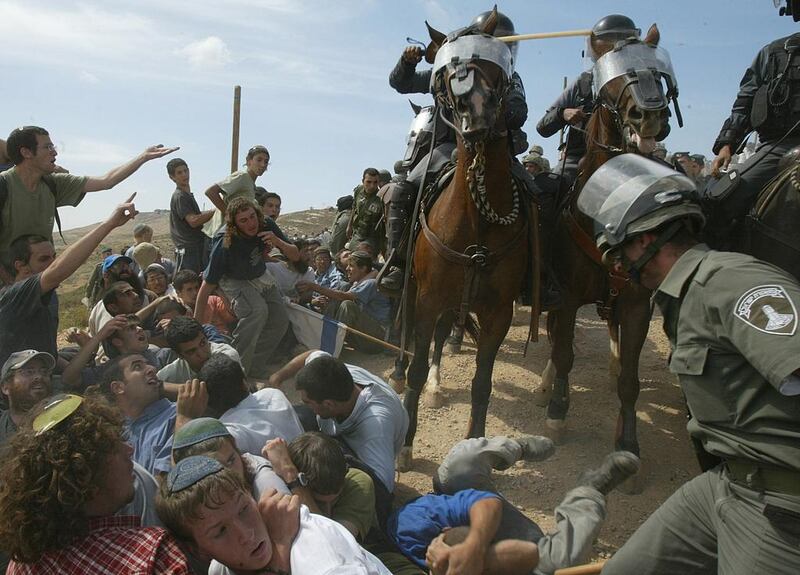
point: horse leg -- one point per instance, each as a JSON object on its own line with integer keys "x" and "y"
{"x": 633, "y": 326}
{"x": 433, "y": 393}
{"x": 398, "y": 377}
{"x": 545, "y": 390}
{"x": 417, "y": 373}
{"x": 455, "y": 340}
{"x": 614, "y": 362}
{"x": 562, "y": 355}
{"x": 494, "y": 327}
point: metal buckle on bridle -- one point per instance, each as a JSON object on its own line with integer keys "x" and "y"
{"x": 479, "y": 255}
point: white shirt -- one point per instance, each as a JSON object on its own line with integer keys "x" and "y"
{"x": 323, "y": 547}
{"x": 376, "y": 428}
{"x": 179, "y": 371}
{"x": 287, "y": 278}
{"x": 259, "y": 417}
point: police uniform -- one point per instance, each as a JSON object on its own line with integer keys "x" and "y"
{"x": 367, "y": 213}
{"x": 732, "y": 325}
{"x": 577, "y": 95}
{"x": 769, "y": 103}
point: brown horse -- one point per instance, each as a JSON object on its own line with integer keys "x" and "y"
{"x": 618, "y": 124}
{"x": 472, "y": 253}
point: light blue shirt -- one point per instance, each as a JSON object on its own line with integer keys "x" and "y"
{"x": 151, "y": 436}
{"x": 372, "y": 302}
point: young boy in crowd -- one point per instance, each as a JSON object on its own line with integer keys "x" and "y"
{"x": 211, "y": 509}
{"x": 218, "y": 309}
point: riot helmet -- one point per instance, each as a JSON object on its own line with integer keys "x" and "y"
{"x": 504, "y": 27}
{"x": 630, "y": 195}
{"x": 608, "y": 31}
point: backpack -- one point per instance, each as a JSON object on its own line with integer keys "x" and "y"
{"x": 51, "y": 185}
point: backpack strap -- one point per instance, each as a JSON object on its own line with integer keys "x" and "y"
{"x": 51, "y": 184}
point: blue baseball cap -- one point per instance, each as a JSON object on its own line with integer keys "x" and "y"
{"x": 112, "y": 259}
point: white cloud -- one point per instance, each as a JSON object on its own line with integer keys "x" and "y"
{"x": 210, "y": 52}
{"x": 88, "y": 77}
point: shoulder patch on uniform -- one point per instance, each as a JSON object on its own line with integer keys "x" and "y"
{"x": 767, "y": 308}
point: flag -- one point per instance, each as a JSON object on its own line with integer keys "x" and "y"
{"x": 316, "y": 331}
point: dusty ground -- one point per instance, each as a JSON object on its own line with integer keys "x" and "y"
{"x": 667, "y": 459}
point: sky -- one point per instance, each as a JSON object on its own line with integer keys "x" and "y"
{"x": 109, "y": 78}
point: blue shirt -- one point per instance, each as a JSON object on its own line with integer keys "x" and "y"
{"x": 329, "y": 279}
{"x": 416, "y": 524}
{"x": 151, "y": 436}
{"x": 372, "y": 302}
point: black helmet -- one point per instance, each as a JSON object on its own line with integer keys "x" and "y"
{"x": 608, "y": 31}
{"x": 504, "y": 27}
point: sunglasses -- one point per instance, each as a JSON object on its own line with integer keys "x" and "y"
{"x": 59, "y": 408}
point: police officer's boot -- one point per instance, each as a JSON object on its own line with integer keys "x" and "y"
{"x": 391, "y": 278}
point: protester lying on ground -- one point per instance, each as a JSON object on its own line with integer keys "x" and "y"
{"x": 218, "y": 309}
{"x": 466, "y": 524}
{"x": 288, "y": 274}
{"x": 361, "y": 307}
{"x": 168, "y": 310}
{"x": 122, "y": 335}
{"x": 237, "y": 266}
{"x": 26, "y": 315}
{"x": 252, "y": 418}
{"x": 212, "y": 510}
{"x": 80, "y": 508}
{"x": 353, "y": 405}
{"x": 188, "y": 339}
{"x": 25, "y": 380}
{"x": 316, "y": 469}
{"x": 210, "y": 437}
{"x": 130, "y": 383}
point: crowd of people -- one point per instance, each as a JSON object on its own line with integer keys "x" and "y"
{"x": 160, "y": 440}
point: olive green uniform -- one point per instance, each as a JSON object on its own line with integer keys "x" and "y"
{"x": 367, "y": 213}
{"x": 732, "y": 325}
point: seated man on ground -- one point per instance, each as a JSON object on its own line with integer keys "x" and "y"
{"x": 466, "y": 523}
{"x": 212, "y": 510}
{"x": 130, "y": 383}
{"x": 117, "y": 269}
{"x": 168, "y": 310}
{"x": 326, "y": 274}
{"x": 122, "y": 335}
{"x": 187, "y": 338}
{"x": 352, "y": 405}
{"x": 157, "y": 280}
{"x": 25, "y": 380}
{"x": 252, "y": 418}
{"x": 208, "y": 436}
{"x": 75, "y": 511}
{"x": 288, "y": 274}
{"x": 237, "y": 266}
{"x": 218, "y": 309}
{"x": 362, "y": 306}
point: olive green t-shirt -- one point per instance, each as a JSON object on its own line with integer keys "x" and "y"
{"x": 237, "y": 185}
{"x": 27, "y": 212}
{"x": 732, "y": 324}
{"x": 356, "y": 503}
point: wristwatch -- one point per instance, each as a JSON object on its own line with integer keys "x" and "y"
{"x": 300, "y": 481}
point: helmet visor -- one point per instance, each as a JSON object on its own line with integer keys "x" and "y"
{"x": 625, "y": 189}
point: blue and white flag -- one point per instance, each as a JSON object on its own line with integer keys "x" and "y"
{"x": 316, "y": 331}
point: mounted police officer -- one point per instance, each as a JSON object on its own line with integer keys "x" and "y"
{"x": 572, "y": 108}
{"x": 406, "y": 79}
{"x": 732, "y": 325}
{"x": 769, "y": 103}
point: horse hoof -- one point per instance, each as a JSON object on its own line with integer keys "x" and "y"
{"x": 405, "y": 459}
{"x": 434, "y": 399}
{"x": 398, "y": 385}
{"x": 542, "y": 395}
{"x": 556, "y": 429}
{"x": 634, "y": 485}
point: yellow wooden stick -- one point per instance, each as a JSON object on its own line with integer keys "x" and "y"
{"x": 543, "y": 35}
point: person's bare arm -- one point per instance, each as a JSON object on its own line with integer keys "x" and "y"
{"x": 276, "y": 451}
{"x": 148, "y": 310}
{"x": 290, "y": 250}
{"x": 289, "y": 370}
{"x": 75, "y": 255}
{"x": 201, "y": 303}
{"x": 71, "y": 376}
{"x": 197, "y": 220}
{"x": 116, "y": 175}
{"x": 327, "y": 292}
{"x": 213, "y": 194}
{"x": 192, "y": 402}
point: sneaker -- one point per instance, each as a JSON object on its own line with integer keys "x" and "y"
{"x": 393, "y": 281}
{"x": 536, "y": 447}
{"x": 616, "y": 468}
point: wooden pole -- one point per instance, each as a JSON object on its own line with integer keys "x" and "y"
{"x": 385, "y": 344}
{"x": 544, "y": 35}
{"x": 588, "y": 569}
{"x": 561, "y": 134}
{"x": 237, "y": 106}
